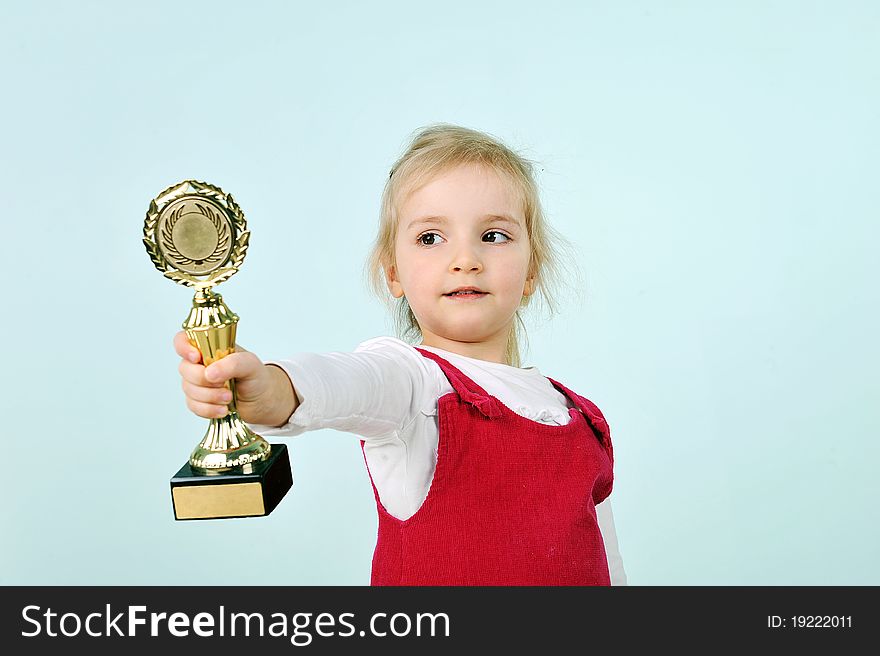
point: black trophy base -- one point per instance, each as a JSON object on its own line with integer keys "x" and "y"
{"x": 197, "y": 495}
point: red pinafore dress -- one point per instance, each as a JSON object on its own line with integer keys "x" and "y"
{"x": 512, "y": 501}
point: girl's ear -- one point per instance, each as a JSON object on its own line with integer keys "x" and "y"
{"x": 529, "y": 288}
{"x": 391, "y": 279}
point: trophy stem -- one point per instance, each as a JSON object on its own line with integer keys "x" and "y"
{"x": 228, "y": 442}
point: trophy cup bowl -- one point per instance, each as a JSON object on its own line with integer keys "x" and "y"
{"x": 196, "y": 235}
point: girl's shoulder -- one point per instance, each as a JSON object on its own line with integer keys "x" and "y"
{"x": 590, "y": 409}
{"x": 391, "y": 347}
{"x": 594, "y": 417}
{"x": 425, "y": 376}
{"x": 383, "y": 342}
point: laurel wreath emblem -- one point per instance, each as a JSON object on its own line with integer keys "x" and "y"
{"x": 214, "y": 218}
{"x": 239, "y": 225}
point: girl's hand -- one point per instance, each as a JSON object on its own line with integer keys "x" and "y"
{"x": 205, "y": 388}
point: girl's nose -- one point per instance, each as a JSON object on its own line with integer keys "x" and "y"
{"x": 466, "y": 259}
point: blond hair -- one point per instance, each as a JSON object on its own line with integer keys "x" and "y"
{"x": 432, "y": 151}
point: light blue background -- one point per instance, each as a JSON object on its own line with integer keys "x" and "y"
{"x": 715, "y": 164}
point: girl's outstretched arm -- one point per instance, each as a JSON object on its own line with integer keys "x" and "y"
{"x": 372, "y": 392}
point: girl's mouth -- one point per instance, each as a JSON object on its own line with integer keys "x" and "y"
{"x": 465, "y": 295}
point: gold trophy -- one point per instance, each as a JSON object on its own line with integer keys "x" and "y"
{"x": 196, "y": 235}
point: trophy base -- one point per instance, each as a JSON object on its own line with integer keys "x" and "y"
{"x": 200, "y": 495}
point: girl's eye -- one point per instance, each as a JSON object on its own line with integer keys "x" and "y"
{"x": 426, "y": 234}
{"x": 495, "y": 232}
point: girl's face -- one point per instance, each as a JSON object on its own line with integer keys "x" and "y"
{"x": 464, "y": 228}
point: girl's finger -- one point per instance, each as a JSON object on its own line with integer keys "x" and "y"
{"x": 211, "y": 395}
{"x": 207, "y": 410}
{"x": 195, "y": 374}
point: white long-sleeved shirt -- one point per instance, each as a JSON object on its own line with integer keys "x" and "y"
{"x": 349, "y": 392}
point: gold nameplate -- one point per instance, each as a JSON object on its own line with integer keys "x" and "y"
{"x": 213, "y": 501}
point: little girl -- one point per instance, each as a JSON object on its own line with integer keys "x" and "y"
{"x": 484, "y": 472}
